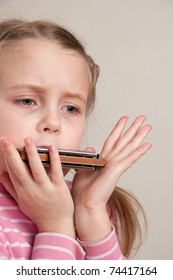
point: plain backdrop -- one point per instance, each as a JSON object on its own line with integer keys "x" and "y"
{"x": 132, "y": 41}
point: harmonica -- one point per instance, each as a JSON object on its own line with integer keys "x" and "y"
{"x": 70, "y": 159}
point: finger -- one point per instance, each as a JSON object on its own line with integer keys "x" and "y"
{"x": 16, "y": 185}
{"x": 130, "y": 133}
{"x": 13, "y": 160}
{"x": 56, "y": 167}
{"x": 114, "y": 136}
{"x": 37, "y": 169}
{"x": 6, "y": 181}
{"x": 134, "y": 143}
{"x": 12, "y": 176}
{"x": 127, "y": 162}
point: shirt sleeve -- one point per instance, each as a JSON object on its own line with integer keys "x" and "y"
{"x": 54, "y": 246}
{"x": 4, "y": 254}
{"x": 105, "y": 249}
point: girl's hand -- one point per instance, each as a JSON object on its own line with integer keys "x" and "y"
{"x": 92, "y": 189}
{"x": 45, "y": 200}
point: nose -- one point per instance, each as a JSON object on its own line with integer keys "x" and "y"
{"x": 50, "y": 123}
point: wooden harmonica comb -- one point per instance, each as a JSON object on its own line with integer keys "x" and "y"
{"x": 69, "y": 158}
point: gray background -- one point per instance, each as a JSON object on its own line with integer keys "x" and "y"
{"x": 132, "y": 41}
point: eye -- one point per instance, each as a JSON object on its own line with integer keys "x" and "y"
{"x": 26, "y": 102}
{"x": 71, "y": 109}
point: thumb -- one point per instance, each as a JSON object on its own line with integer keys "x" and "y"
{"x": 5, "y": 180}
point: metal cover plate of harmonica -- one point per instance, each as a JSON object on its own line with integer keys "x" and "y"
{"x": 69, "y": 158}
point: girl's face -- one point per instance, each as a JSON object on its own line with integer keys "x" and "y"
{"x": 43, "y": 95}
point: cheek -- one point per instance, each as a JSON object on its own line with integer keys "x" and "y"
{"x": 9, "y": 125}
{"x": 9, "y": 128}
{"x": 14, "y": 135}
{"x": 74, "y": 138}
{"x": 78, "y": 134}
{"x": 12, "y": 126}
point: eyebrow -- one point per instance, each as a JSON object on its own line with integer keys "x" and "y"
{"x": 27, "y": 86}
{"x": 41, "y": 89}
{"x": 75, "y": 96}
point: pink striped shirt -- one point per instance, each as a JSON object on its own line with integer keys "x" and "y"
{"x": 19, "y": 239}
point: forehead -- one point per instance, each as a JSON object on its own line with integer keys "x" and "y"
{"x": 45, "y": 60}
{"x": 30, "y": 47}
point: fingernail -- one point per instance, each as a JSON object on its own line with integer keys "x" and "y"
{"x": 124, "y": 118}
{"x": 143, "y": 117}
{"x": 28, "y": 142}
{"x": 52, "y": 149}
{"x": 4, "y": 141}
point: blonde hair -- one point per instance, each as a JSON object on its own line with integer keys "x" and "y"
{"x": 124, "y": 205}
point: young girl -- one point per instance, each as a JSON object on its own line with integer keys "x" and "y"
{"x": 47, "y": 89}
